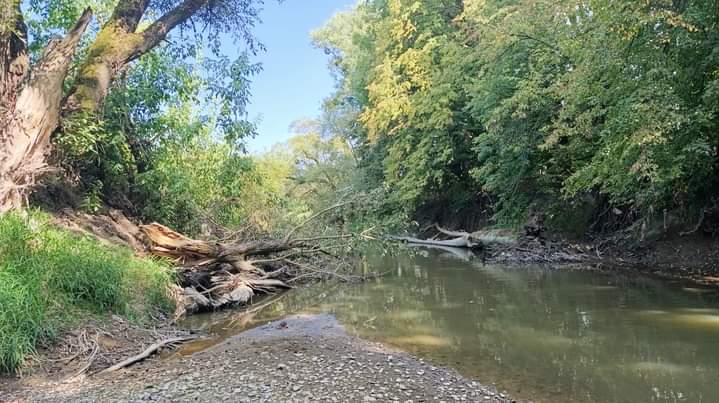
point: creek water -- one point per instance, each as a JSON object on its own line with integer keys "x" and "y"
{"x": 540, "y": 333}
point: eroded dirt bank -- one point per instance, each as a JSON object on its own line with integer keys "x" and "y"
{"x": 300, "y": 359}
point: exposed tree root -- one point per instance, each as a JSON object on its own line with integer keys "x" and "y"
{"x": 215, "y": 274}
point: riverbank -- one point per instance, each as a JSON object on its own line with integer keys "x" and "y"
{"x": 692, "y": 258}
{"x": 669, "y": 253}
{"x": 301, "y": 358}
{"x": 53, "y": 280}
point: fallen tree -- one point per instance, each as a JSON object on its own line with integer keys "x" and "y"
{"x": 461, "y": 239}
{"x": 499, "y": 245}
{"x": 215, "y": 274}
{"x": 459, "y": 242}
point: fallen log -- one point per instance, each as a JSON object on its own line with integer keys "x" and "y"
{"x": 485, "y": 237}
{"x": 461, "y": 242}
{"x": 461, "y": 239}
{"x": 463, "y": 254}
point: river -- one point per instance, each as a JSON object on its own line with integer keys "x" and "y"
{"x": 540, "y": 333}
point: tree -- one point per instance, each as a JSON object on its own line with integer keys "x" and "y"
{"x": 32, "y": 108}
{"x": 559, "y": 106}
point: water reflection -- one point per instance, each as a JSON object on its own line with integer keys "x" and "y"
{"x": 542, "y": 334}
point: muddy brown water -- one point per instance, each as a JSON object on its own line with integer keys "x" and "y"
{"x": 540, "y": 333}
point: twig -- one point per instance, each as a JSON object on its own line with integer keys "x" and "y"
{"x": 318, "y": 249}
{"x": 323, "y": 238}
{"x": 315, "y": 270}
{"x": 283, "y": 257}
{"x": 90, "y": 360}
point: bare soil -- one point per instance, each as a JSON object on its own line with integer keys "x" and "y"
{"x": 89, "y": 348}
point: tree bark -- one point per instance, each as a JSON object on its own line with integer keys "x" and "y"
{"x": 117, "y": 44}
{"x": 29, "y": 116}
{"x": 14, "y": 60}
{"x": 34, "y": 115}
{"x": 191, "y": 252}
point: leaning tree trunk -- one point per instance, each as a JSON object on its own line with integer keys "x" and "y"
{"x": 14, "y": 59}
{"x": 29, "y": 115}
{"x": 118, "y": 44}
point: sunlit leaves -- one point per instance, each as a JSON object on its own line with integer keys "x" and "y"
{"x": 535, "y": 102}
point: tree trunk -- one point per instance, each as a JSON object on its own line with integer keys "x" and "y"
{"x": 30, "y": 116}
{"x": 462, "y": 239}
{"x": 107, "y": 57}
{"x": 461, "y": 242}
{"x": 33, "y": 116}
{"x": 14, "y": 59}
{"x": 214, "y": 274}
{"x": 116, "y": 46}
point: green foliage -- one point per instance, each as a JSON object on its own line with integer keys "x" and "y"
{"x": 48, "y": 277}
{"x": 194, "y": 181}
{"x": 92, "y": 202}
{"x": 165, "y": 116}
{"x": 534, "y": 104}
{"x": 103, "y": 154}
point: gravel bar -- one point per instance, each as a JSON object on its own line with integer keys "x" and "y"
{"x": 304, "y": 358}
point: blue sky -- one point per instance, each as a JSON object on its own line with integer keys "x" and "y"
{"x": 295, "y": 78}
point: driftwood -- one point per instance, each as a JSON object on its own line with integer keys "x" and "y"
{"x": 461, "y": 239}
{"x": 463, "y": 254}
{"x": 483, "y": 237}
{"x": 147, "y": 353}
{"x": 461, "y": 242}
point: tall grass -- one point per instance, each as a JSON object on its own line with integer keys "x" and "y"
{"x": 50, "y": 277}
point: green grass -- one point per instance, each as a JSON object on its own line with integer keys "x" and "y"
{"x": 49, "y": 278}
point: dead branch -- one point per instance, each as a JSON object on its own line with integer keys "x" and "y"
{"x": 90, "y": 360}
{"x": 147, "y": 353}
{"x": 311, "y": 269}
{"x": 455, "y": 234}
{"x": 461, "y": 242}
{"x": 461, "y": 239}
{"x": 325, "y": 238}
